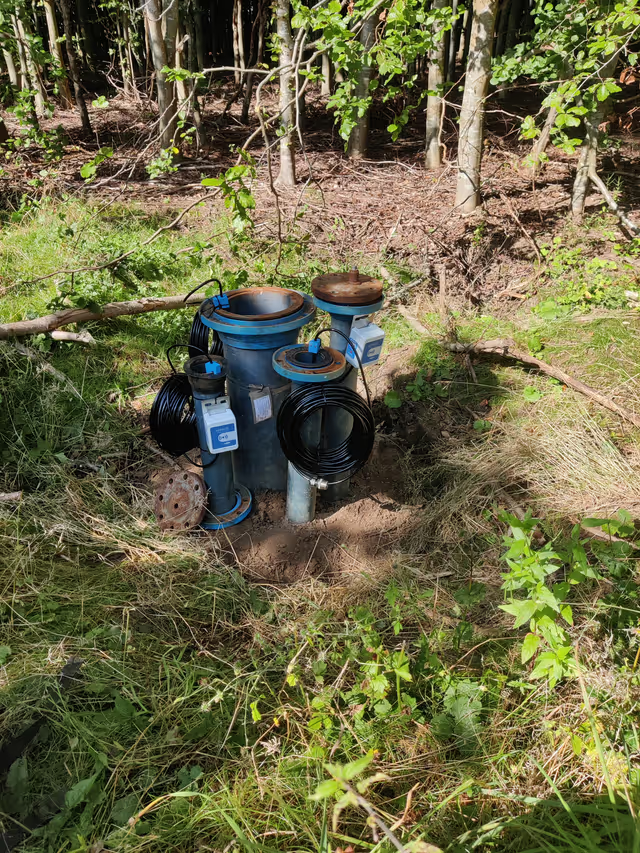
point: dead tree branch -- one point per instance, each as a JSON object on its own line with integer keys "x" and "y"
{"x": 597, "y": 181}
{"x": 83, "y": 315}
{"x": 506, "y": 349}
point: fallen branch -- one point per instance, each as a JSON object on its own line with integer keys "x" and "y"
{"x": 597, "y": 181}
{"x": 506, "y": 349}
{"x": 10, "y": 497}
{"x": 84, "y": 337}
{"x": 82, "y": 315}
{"x": 115, "y": 261}
{"x": 415, "y": 324}
{"x": 36, "y": 358}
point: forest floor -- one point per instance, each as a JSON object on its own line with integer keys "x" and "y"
{"x": 187, "y": 692}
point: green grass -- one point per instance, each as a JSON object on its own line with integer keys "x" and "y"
{"x": 207, "y": 708}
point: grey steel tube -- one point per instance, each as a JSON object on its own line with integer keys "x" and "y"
{"x": 339, "y": 423}
{"x": 301, "y": 495}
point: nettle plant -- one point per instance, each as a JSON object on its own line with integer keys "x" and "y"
{"x": 544, "y": 603}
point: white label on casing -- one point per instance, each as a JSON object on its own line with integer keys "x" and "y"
{"x": 262, "y": 408}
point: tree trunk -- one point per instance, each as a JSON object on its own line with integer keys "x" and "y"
{"x": 472, "y": 113}
{"x": 468, "y": 20}
{"x": 182, "y": 86}
{"x": 165, "y": 89}
{"x": 197, "y": 12}
{"x": 56, "y": 51}
{"x": 287, "y": 175}
{"x": 541, "y": 143}
{"x": 435, "y": 106}
{"x": 20, "y": 47}
{"x": 501, "y": 28}
{"x": 359, "y": 138}
{"x": 248, "y": 92}
{"x": 238, "y": 41}
{"x": 74, "y": 71}
{"x": 587, "y": 161}
{"x": 449, "y": 68}
{"x": 11, "y": 68}
{"x": 327, "y": 76}
{"x": 515, "y": 14}
{"x": 35, "y": 81}
{"x": 86, "y": 28}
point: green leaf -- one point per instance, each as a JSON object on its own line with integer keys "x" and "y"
{"x": 326, "y": 789}
{"x": 529, "y": 647}
{"x": 522, "y": 610}
{"x": 358, "y": 766}
{"x": 123, "y": 809}
{"x": 482, "y": 425}
{"x": 18, "y": 778}
{"x": 5, "y": 651}
{"x": 256, "y": 716}
{"x": 531, "y": 394}
{"x": 80, "y": 791}
{"x": 393, "y": 399}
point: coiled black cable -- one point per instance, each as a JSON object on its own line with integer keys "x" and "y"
{"x": 316, "y": 462}
{"x": 173, "y": 417}
{"x": 350, "y": 455}
{"x": 200, "y": 334}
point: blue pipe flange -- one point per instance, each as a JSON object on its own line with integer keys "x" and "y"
{"x": 247, "y": 325}
{"x": 300, "y": 363}
{"x": 238, "y": 513}
{"x": 348, "y": 310}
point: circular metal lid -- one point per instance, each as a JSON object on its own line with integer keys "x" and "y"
{"x": 347, "y": 288}
{"x": 181, "y": 501}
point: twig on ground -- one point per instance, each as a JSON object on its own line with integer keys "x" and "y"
{"x": 84, "y": 337}
{"x": 505, "y": 349}
{"x": 120, "y": 258}
{"x": 528, "y": 236}
{"x": 46, "y": 367}
{"x": 10, "y": 497}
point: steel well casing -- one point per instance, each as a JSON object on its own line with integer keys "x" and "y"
{"x": 257, "y": 323}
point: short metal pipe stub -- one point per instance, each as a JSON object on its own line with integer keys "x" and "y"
{"x": 295, "y": 362}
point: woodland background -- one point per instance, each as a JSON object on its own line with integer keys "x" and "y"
{"x": 448, "y": 660}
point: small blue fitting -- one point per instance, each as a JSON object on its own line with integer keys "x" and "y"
{"x": 314, "y": 346}
{"x": 213, "y": 367}
{"x": 221, "y": 301}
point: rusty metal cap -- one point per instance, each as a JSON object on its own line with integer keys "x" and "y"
{"x": 180, "y": 501}
{"x": 347, "y": 288}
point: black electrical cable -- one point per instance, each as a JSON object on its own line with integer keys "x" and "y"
{"x": 203, "y": 339}
{"x": 321, "y": 463}
{"x": 208, "y": 281}
{"x": 173, "y": 417}
{"x": 200, "y": 333}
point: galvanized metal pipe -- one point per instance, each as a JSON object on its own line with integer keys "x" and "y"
{"x": 301, "y": 495}
{"x": 339, "y": 423}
